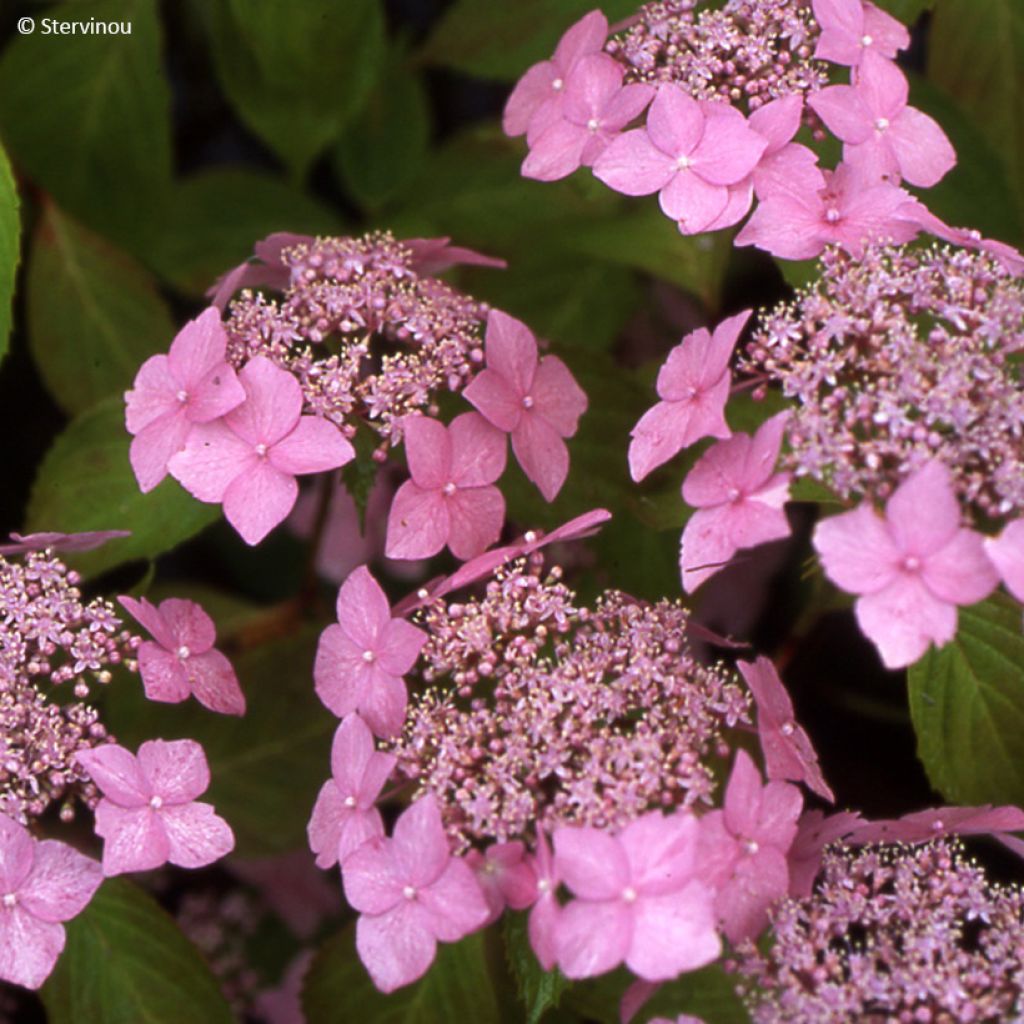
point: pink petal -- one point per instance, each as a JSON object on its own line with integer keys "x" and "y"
{"x": 363, "y": 610}
{"x": 557, "y": 152}
{"x": 888, "y": 35}
{"x": 758, "y": 881}
{"x": 842, "y": 109}
{"x": 152, "y": 447}
{"x": 314, "y": 446}
{"x": 135, "y": 839}
{"x": 721, "y": 346}
{"x": 340, "y": 674}
{"x": 903, "y": 619}
{"x": 196, "y": 835}
{"x": 633, "y": 165}
{"x": 495, "y": 398}
{"x": 661, "y": 851}
{"x": 922, "y": 148}
{"x": 214, "y": 683}
{"x": 117, "y": 773}
{"x": 792, "y": 171}
{"x": 429, "y": 451}
{"x": 706, "y": 547}
{"x": 663, "y": 431}
{"x": 531, "y": 91}
{"x": 419, "y": 524}
{"x": 592, "y": 938}
{"x": 591, "y": 863}
{"x": 434, "y": 255}
{"x": 154, "y": 394}
{"x": 29, "y": 947}
{"x": 396, "y": 947}
{"x": 591, "y": 86}
{"x": 674, "y": 933}
{"x": 476, "y": 515}
{"x": 420, "y": 845}
{"x": 557, "y": 397}
{"x": 198, "y": 347}
{"x": 626, "y": 105}
{"x": 511, "y": 351}
{"x": 163, "y": 675}
{"x": 741, "y": 196}
{"x": 542, "y": 928}
{"x": 176, "y": 769}
{"x": 760, "y": 458}
{"x": 961, "y": 572}
{"x": 541, "y": 453}
{"x": 188, "y": 624}
{"x": 786, "y": 226}
{"x": 454, "y": 903}
{"x": 777, "y": 122}
{"x": 401, "y": 643}
{"x": 586, "y": 36}
{"x": 478, "y": 451}
{"x": 215, "y": 395}
{"x": 845, "y": 16}
{"x": 357, "y": 828}
{"x": 17, "y": 854}
{"x": 692, "y": 201}
{"x": 324, "y": 828}
{"x": 716, "y": 477}
{"x": 742, "y": 803}
{"x": 815, "y": 832}
{"x": 258, "y": 499}
{"x": 1007, "y": 554}
{"x": 149, "y": 616}
{"x": 728, "y": 151}
{"x": 272, "y": 405}
{"x": 923, "y": 513}
{"x": 371, "y": 878}
{"x": 882, "y": 86}
{"x": 752, "y": 522}
{"x": 675, "y": 122}
{"x": 838, "y": 47}
{"x": 213, "y": 457}
{"x": 857, "y": 551}
{"x": 351, "y": 750}
{"x": 382, "y": 703}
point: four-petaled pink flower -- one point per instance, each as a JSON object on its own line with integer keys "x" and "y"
{"x": 361, "y": 660}
{"x": 344, "y": 816}
{"x": 883, "y": 137}
{"x": 745, "y": 846}
{"x": 149, "y": 813}
{"x": 41, "y": 885}
{"x": 537, "y": 402}
{"x": 249, "y": 459}
{"x": 693, "y": 385}
{"x": 688, "y": 152}
{"x": 506, "y": 877}
{"x": 1006, "y": 552}
{"x": 739, "y": 500}
{"x": 850, "y": 29}
{"x": 183, "y": 660}
{"x": 639, "y": 899}
{"x": 911, "y": 569}
{"x": 411, "y": 893}
{"x": 192, "y": 383}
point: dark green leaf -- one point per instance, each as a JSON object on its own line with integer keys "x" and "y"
{"x": 94, "y": 315}
{"x": 10, "y": 250}
{"x": 539, "y": 990}
{"x": 458, "y": 988}
{"x": 295, "y": 72}
{"x": 86, "y": 483}
{"x": 908, "y": 11}
{"x": 967, "y": 703}
{"x": 127, "y": 962}
{"x": 87, "y": 117}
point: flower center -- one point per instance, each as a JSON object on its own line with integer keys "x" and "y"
{"x": 530, "y": 536}
{"x": 751, "y": 846}
{"x": 683, "y": 163}
{"x": 156, "y": 802}
{"x": 182, "y": 396}
{"x": 409, "y": 892}
{"x": 831, "y": 215}
{"x": 543, "y": 885}
{"x": 882, "y": 123}
{"x": 369, "y": 657}
{"x": 786, "y": 728}
{"x": 866, "y": 40}
{"x": 10, "y": 899}
{"x": 449, "y": 489}
{"x": 527, "y": 402}
{"x": 261, "y": 450}
{"x": 349, "y": 801}
{"x": 183, "y": 652}
{"x": 911, "y": 563}
{"x": 557, "y": 84}
{"x": 629, "y": 894}
{"x": 733, "y": 494}
{"x": 593, "y": 124}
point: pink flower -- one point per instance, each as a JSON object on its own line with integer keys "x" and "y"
{"x": 88, "y": 541}
{"x": 542, "y": 925}
{"x": 1006, "y": 552}
{"x": 850, "y": 29}
{"x": 911, "y": 569}
{"x": 361, "y": 660}
{"x": 149, "y": 814}
{"x": 745, "y": 848}
{"x": 250, "y": 458}
{"x": 41, "y": 885}
{"x": 344, "y": 816}
{"x": 596, "y": 107}
{"x": 538, "y": 402}
{"x": 191, "y": 384}
{"x": 787, "y": 749}
{"x": 505, "y": 875}
{"x": 183, "y": 660}
{"x": 411, "y": 893}
{"x": 693, "y": 385}
{"x": 739, "y": 500}
{"x": 639, "y": 900}
{"x": 883, "y": 137}
{"x": 924, "y": 826}
{"x": 815, "y": 831}
{"x": 785, "y": 166}
{"x": 688, "y": 152}
{"x": 537, "y": 99}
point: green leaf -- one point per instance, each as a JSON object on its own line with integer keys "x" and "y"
{"x": 87, "y": 117}
{"x": 967, "y": 704}
{"x": 127, "y": 962}
{"x": 94, "y": 315}
{"x": 86, "y": 483}
{"x": 457, "y": 988}
{"x": 295, "y": 72}
{"x": 214, "y": 218}
{"x": 907, "y": 11}
{"x": 539, "y": 990}
{"x": 10, "y": 248}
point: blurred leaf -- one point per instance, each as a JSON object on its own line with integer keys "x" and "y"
{"x": 86, "y": 483}
{"x": 967, "y": 704}
{"x": 94, "y": 315}
{"x": 295, "y": 72}
{"x": 383, "y": 147}
{"x": 10, "y": 248}
{"x": 457, "y": 988}
{"x": 908, "y": 11}
{"x": 88, "y": 117}
{"x": 214, "y": 218}
{"x": 539, "y": 990}
{"x": 127, "y": 962}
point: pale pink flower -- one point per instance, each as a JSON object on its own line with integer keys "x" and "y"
{"x": 542, "y": 924}
{"x": 345, "y": 815}
{"x": 883, "y": 137}
{"x": 411, "y": 893}
{"x": 739, "y": 500}
{"x": 850, "y": 29}
{"x": 192, "y": 383}
{"x": 787, "y": 749}
{"x": 936, "y": 822}
{"x": 693, "y": 384}
{"x": 506, "y": 877}
{"x": 88, "y": 541}
{"x": 745, "y": 846}
{"x": 688, "y": 152}
{"x": 911, "y": 568}
{"x": 639, "y": 899}
{"x": 785, "y": 166}
{"x": 1006, "y": 552}
{"x": 41, "y": 885}
{"x": 536, "y": 401}
{"x": 361, "y": 660}
{"x": 183, "y": 660}
{"x": 249, "y": 459}
{"x": 815, "y": 830}
{"x": 595, "y": 109}
{"x": 149, "y": 813}
{"x": 537, "y": 99}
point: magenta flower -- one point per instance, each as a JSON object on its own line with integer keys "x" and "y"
{"x": 688, "y": 152}
{"x": 815, "y": 830}
{"x": 595, "y": 109}
{"x": 693, "y": 384}
{"x": 936, "y": 822}
{"x": 911, "y": 569}
{"x": 537, "y": 99}
{"x": 537, "y": 402}
{"x": 850, "y": 29}
{"x": 344, "y": 816}
{"x": 88, "y": 541}
{"x": 739, "y": 500}
{"x": 411, "y": 893}
{"x": 191, "y": 384}
{"x": 1006, "y": 552}
{"x": 639, "y": 900}
{"x": 883, "y": 137}
{"x": 250, "y": 458}
{"x": 787, "y": 749}
{"x": 149, "y": 814}
{"x": 183, "y": 660}
{"x": 361, "y": 660}
{"x": 542, "y": 925}
{"x": 506, "y": 877}
{"x": 41, "y": 885}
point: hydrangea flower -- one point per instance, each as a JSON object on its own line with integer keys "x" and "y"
{"x": 506, "y": 876}
{"x": 1006, "y": 553}
{"x": 851, "y": 29}
{"x": 542, "y": 924}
